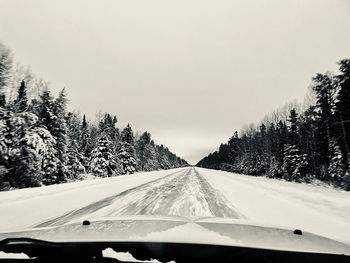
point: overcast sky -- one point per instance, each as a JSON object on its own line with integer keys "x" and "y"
{"x": 189, "y": 71}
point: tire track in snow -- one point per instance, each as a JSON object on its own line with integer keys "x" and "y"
{"x": 186, "y": 194}
{"x": 183, "y": 193}
{"x": 74, "y": 214}
{"x": 219, "y": 205}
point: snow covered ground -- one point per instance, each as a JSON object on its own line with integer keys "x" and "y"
{"x": 318, "y": 209}
{"x": 191, "y": 192}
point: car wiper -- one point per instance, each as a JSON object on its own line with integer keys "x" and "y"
{"x": 45, "y": 249}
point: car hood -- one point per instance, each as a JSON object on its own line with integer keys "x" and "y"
{"x": 211, "y": 231}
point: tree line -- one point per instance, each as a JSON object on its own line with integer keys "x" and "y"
{"x": 41, "y": 143}
{"x": 311, "y": 142}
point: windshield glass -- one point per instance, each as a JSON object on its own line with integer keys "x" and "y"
{"x": 211, "y": 122}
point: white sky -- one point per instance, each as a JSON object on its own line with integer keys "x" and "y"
{"x": 189, "y": 71}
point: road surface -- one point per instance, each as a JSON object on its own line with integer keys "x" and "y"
{"x": 190, "y": 192}
{"x": 182, "y": 193}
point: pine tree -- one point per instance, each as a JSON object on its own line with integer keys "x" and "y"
{"x": 102, "y": 161}
{"x": 293, "y": 130}
{"x": 126, "y": 154}
{"x": 84, "y": 137}
{"x": 52, "y": 116}
{"x": 336, "y": 167}
{"x": 146, "y": 153}
{"x": 232, "y": 145}
{"x": 36, "y": 155}
{"x": 294, "y": 163}
{"x": 46, "y": 110}
{"x": 27, "y": 172}
{"x": 274, "y": 170}
{"x": 50, "y": 160}
{"x": 22, "y": 100}
{"x": 264, "y": 150}
{"x": 108, "y": 126}
{"x": 282, "y": 131}
{"x": 74, "y": 166}
{"x": 323, "y": 88}
{"x": 7, "y": 143}
{"x": 60, "y": 131}
{"x": 162, "y": 157}
{"x": 27, "y": 150}
{"x": 273, "y": 141}
{"x": 76, "y": 161}
{"x": 342, "y": 110}
{"x": 5, "y": 66}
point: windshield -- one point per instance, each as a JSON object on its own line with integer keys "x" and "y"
{"x": 202, "y": 122}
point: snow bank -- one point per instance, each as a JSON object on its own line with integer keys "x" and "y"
{"x": 321, "y": 210}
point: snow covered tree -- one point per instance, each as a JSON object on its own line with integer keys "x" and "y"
{"x": 336, "y": 167}
{"x": 46, "y": 110}
{"x": 27, "y": 172}
{"x": 5, "y": 66}
{"x": 274, "y": 170}
{"x": 59, "y": 131}
{"x": 8, "y": 141}
{"x": 163, "y": 154}
{"x": 232, "y": 145}
{"x": 146, "y": 153}
{"x": 73, "y": 122}
{"x": 74, "y": 166}
{"x": 293, "y": 130}
{"x": 84, "y": 137}
{"x": 342, "y": 111}
{"x": 76, "y": 161}
{"x": 5, "y": 69}
{"x": 294, "y": 163}
{"x": 102, "y": 161}
{"x": 27, "y": 150}
{"x": 323, "y": 87}
{"x": 22, "y": 100}
{"x": 108, "y": 126}
{"x": 126, "y": 153}
{"x": 38, "y": 160}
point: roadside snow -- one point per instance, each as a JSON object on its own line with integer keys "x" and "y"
{"x": 321, "y": 210}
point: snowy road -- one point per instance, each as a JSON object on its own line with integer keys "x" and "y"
{"x": 191, "y": 192}
{"x": 182, "y": 193}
